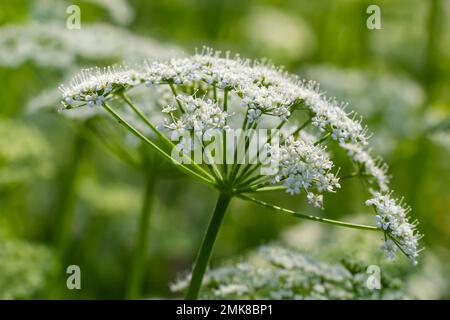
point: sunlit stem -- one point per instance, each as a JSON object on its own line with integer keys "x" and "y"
{"x": 224, "y": 142}
{"x": 214, "y": 92}
{"x": 207, "y": 245}
{"x": 160, "y": 135}
{"x": 250, "y": 168}
{"x": 325, "y": 137}
{"x": 211, "y": 165}
{"x": 255, "y": 182}
{"x": 309, "y": 217}
{"x": 235, "y": 166}
{"x": 174, "y": 92}
{"x": 166, "y": 156}
{"x": 265, "y": 189}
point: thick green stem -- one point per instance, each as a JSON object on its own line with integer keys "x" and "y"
{"x": 134, "y": 284}
{"x": 207, "y": 245}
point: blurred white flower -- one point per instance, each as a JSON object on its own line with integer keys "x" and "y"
{"x": 387, "y": 99}
{"x": 276, "y": 272}
{"x": 50, "y": 44}
{"x": 120, "y": 11}
{"x": 279, "y": 34}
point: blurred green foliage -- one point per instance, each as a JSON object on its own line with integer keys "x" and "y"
{"x": 396, "y": 77}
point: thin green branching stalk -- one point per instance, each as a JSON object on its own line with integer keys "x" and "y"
{"x": 174, "y": 92}
{"x": 249, "y": 169}
{"x": 215, "y": 92}
{"x": 255, "y": 183}
{"x": 155, "y": 147}
{"x": 224, "y": 142}
{"x": 309, "y": 217}
{"x": 211, "y": 165}
{"x": 160, "y": 135}
{"x": 225, "y": 100}
{"x": 134, "y": 285}
{"x": 207, "y": 245}
{"x": 235, "y": 165}
{"x": 354, "y": 175}
{"x": 303, "y": 126}
{"x": 94, "y": 137}
{"x": 325, "y": 137}
{"x": 257, "y": 189}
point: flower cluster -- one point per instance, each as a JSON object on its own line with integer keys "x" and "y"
{"x": 261, "y": 87}
{"x": 303, "y": 166}
{"x": 373, "y": 168}
{"x": 392, "y": 217}
{"x": 92, "y": 86}
{"x": 201, "y": 84}
{"x": 275, "y": 272}
{"x": 198, "y": 115}
{"x": 330, "y": 116}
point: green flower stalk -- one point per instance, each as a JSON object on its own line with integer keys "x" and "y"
{"x": 230, "y": 123}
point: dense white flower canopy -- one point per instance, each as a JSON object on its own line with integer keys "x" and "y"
{"x": 201, "y": 86}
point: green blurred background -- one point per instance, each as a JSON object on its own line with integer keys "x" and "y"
{"x": 66, "y": 197}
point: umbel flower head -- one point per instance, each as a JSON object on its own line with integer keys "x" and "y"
{"x": 276, "y": 272}
{"x": 214, "y": 94}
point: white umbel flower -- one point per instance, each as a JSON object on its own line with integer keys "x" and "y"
{"x": 92, "y": 86}
{"x": 201, "y": 85}
{"x": 303, "y": 166}
{"x": 261, "y": 87}
{"x": 374, "y": 168}
{"x": 200, "y": 115}
{"x": 392, "y": 218}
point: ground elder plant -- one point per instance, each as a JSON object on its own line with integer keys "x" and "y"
{"x": 278, "y": 272}
{"x": 230, "y": 123}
